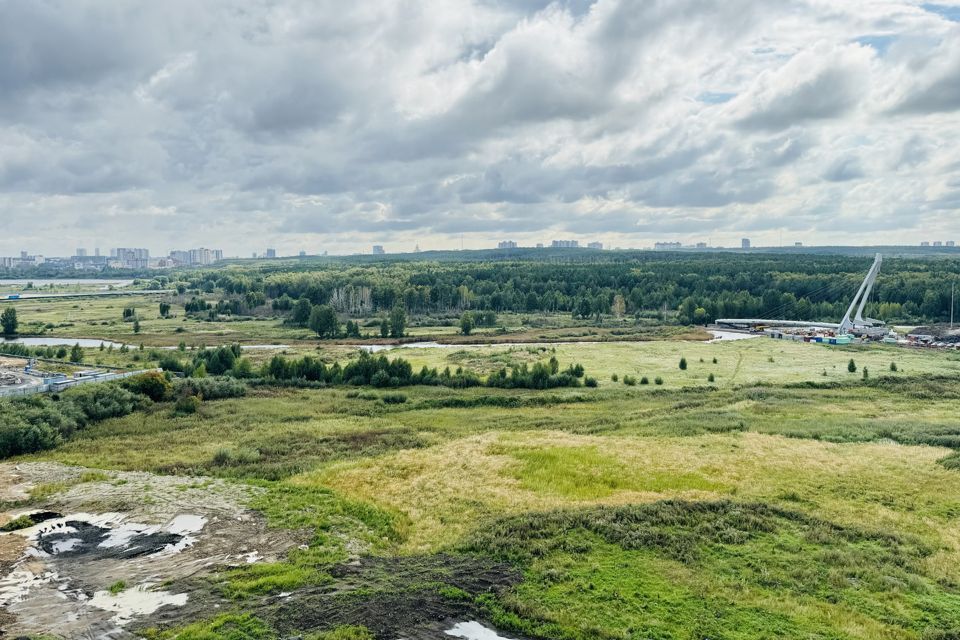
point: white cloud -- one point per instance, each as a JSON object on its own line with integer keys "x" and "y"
{"x": 324, "y": 125}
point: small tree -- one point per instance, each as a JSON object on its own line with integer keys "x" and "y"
{"x": 852, "y": 366}
{"x": 466, "y": 323}
{"x": 301, "y": 312}
{"x": 9, "y": 322}
{"x": 136, "y": 326}
{"x": 324, "y": 321}
{"x": 866, "y": 373}
{"x": 398, "y": 321}
{"x": 893, "y": 366}
{"x": 384, "y": 328}
{"x": 164, "y": 309}
{"x": 76, "y": 353}
{"x": 683, "y": 363}
{"x": 711, "y": 378}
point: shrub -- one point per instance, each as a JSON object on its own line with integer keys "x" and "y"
{"x": 866, "y": 373}
{"x": 23, "y": 522}
{"x": 210, "y": 388}
{"x": 394, "y": 398}
{"x": 187, "y": 405}
{"x": 614, "y": 378}
{"x": 102, "y": 401}
{"x": 893, "y": 366}
{"x": 589, "y": 382}
{"x": 380, "y": 379}
{"x": 711, "y": 378}
{"x": 152, "y": 384}
{"x": 852, "y": 366}
{"x": 658, "y": 380}
{"x": 683, "y": 364}
{"x": 714, "y": 361}
{"x": 629, "y": 380}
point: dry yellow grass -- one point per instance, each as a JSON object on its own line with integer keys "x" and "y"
{"x": 445, "y": 491}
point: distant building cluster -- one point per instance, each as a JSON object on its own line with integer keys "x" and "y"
{"x": 127, "y": 258}
{"x": 556, "y": 244}
{"x": 378, "y": 250}
{"x": 24, "y": 261}
{"x": 195, "y": 257}
{"x": 938, "y": 243}
{"x": 119, "y": 258}
{"x": 667, "y": 246}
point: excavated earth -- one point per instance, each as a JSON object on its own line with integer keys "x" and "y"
{"x": 112, "y": 551}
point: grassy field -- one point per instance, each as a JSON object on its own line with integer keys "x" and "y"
{"x": 774, "y": 502}
{"x": 102, "y": 318}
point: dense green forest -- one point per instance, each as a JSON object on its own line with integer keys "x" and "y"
{"x": 700, "y": 286}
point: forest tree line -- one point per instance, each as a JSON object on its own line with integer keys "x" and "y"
{"x": 699, "y": 287}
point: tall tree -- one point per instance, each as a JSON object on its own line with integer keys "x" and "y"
{"x": 466, "y": 323}
{"x": 9, "y": 322}
{"x": 398, "y": 321}
{"x": 301, "y": 312}
{"x": 324, "y": 321}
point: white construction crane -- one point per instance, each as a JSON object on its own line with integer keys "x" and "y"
{"x": 847, "y": 325}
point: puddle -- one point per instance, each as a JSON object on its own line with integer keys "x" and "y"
{"x": 86, "y": 343}
{"x": 138, "y": 601}
{"x": 376, "y": 348}
{"x": 65, "y": 552}
{"x": 108, "y": 536}
{"x": 474, "y": 631}
{"x": 728, "y": 336}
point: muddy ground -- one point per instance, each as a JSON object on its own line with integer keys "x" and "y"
{"x": 159, "y": 536}
{"x": 112, "y": 553}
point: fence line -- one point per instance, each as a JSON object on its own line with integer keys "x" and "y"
{"x": 66, "y": 383}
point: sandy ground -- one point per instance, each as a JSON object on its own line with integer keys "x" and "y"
{"x": 157, "y": 534}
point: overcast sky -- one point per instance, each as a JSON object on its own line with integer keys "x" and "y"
{"x": 332, "y": 125}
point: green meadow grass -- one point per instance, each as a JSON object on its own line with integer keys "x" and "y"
{"x": 781, "y": 503}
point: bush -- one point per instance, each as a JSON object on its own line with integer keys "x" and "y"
{"x": 394, "y": 398}
{"x": 644, "y": 380}
{"x": 893, "y": 367}
{"x": 210, "y": 388}
{"x": 187, "y": 405}
{"x": 589, "y": 382}
{"x": 380, "y": 379}
{"x": 683, "y": 364}
{"x": 711, "y": 378}
{"x": 614, "y": 378}
{"x": 658, "y": 380}
{"x": 102, "y": 401}
{"x": 152, "y": 384}
{"x": 852, "y": 366}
